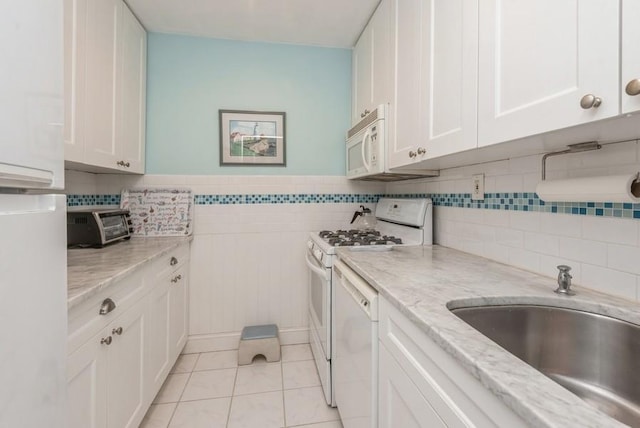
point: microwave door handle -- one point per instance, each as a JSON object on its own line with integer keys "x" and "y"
{"x": 366, "y": 140}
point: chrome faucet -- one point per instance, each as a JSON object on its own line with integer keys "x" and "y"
{"x": 564, "y": 281}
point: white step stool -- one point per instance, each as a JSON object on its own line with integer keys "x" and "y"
{"x": 259, "y": 340}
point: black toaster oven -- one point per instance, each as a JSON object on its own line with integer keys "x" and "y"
{"x": 97, "y": 228}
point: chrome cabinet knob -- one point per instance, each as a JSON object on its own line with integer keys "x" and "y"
{"x": 422, "y": 150}
{"x": 590, "y": 101}
{"x": 106, "y": 340}
{"x": 633, "y": 87}
{"x": 123, "y": 163}
{"x": 412, "y": 154}
{"x": 117, "y": 331}
{"x": 176, "y": 278}
{"x": 364, "y": 113}
{"x": 173, "y": 261}
{"x": 107, "y": 306}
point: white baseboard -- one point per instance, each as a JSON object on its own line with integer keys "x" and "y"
{"x": 229, "y": 341}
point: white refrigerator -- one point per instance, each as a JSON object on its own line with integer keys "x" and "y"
{"x": 33, "y": 291}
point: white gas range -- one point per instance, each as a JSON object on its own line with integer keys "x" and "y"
{"x": 399, "y": 222}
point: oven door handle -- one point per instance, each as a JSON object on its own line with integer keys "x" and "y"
{"x": 314, "y": 267}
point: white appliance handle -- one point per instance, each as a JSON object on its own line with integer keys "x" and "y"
{"x": 365, "y": 295}
{"x": 367, "y": 135}
{"x": 22, "y": 176}
{"x": 314, "y": 267}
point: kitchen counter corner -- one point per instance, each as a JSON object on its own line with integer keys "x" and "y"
{"x": 90, "y": 270}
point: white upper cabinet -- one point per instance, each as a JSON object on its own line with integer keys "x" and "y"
{"x": 435, "y": 80}
{"x": 105, "y": 77}
{"x": 75, "y": 36}
{"x": 406, "y": 113}
{"x": 544, "y": 65}
{"x": 103, "y": 18}
{"x": 372, "y": 64}
{"x": 630, "y": 72}
{"x": 450, "y": 76}
{"x": 362, "y": 76}
{"x": 130, "y": 115}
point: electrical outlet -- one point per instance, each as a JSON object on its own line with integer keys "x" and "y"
{"x": 477, "y": 191}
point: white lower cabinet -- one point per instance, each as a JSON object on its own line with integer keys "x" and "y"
{"x": 158, "y": 360}
{"x": 86, "y": 377}
{"x": 178, "y": 315}
{"x": 420, "y": 385}
{"x": 105, "y": 382}
{"x": 119, "y": 360}
{"x": 400, "y": 402}
{"x": 125, "y": 369}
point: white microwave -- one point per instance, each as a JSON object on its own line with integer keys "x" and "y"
{"x": 367, "y": 151}
{"x": 366, "y": 145}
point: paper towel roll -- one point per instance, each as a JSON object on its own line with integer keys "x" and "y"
{"x": 611, "y": 188}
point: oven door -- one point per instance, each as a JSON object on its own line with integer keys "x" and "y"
{"x": 320, "y": 304}
{"x": 320, "y": 323}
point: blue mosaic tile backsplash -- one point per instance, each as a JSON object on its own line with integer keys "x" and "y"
{"x": 92, "y": 200}
{"x": 508, "y": 201}
{"x": 301, "y": 198}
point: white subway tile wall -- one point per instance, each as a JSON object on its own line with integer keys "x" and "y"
{"x": 604, "y": 252}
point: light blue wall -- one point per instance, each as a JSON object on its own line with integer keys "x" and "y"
{"x": 190, "y": 79}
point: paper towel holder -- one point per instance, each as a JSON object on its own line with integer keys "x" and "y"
{"x": 572, "y": 148}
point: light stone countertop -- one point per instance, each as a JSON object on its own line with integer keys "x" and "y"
{"x": 424, "y": 282}
{"x": 90, "y": 270}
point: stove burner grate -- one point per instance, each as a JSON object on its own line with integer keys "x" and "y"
{"x": 353, "y": 237}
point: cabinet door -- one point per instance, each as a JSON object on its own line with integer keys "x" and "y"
{"x": 450, "y": 78}
{"x": 86, "y": 380}
{"x": 400, "y": 403}
{"x": 102, "y": 62}
{"x": 538, "y": 59}
{"x": 630, "y": 58}
{"x": 381, "y": 56}
{"x": 406, "y": 112}
{"x": 362, "y": 76}
{"x": 178, "y": 314}
{"x": 125, "y": 383}
{"x": 157, "y": 363}
{"x": 75, "y": 33}
{"x": 132, "y": 87}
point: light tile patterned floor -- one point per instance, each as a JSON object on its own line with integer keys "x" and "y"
{"x": 210, "y": 390}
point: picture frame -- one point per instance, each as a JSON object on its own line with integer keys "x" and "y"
{"x": 252, "y": 138}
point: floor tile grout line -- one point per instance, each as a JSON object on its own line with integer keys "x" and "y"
{"x": 284, "y": 410}
{"x": 233, "y": 392}
{"x": 179, "y": 399}
{"x": 173, "y": 413}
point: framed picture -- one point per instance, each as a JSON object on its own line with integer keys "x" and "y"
{"x": 252, "y": 138}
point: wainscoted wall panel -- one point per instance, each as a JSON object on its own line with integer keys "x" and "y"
{"x": 248, "y": 259}
{"x": 603, "y": 251}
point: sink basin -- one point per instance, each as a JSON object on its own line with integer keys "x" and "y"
{"x": 594, "y": 356}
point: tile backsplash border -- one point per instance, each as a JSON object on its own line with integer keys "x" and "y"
{"x": 505, "y": 201}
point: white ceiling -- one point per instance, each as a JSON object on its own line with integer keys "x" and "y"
{"x": 331, "y": 23}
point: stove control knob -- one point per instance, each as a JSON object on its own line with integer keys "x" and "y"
{"x": 310, "y": 245}
{"x": 318, "y": 254}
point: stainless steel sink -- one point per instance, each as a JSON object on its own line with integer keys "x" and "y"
{"x": 594, "y": 356}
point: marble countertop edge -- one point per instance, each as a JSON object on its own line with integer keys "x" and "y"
{"x": 91, "y": 270}
{"x": 424, "y": 283}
